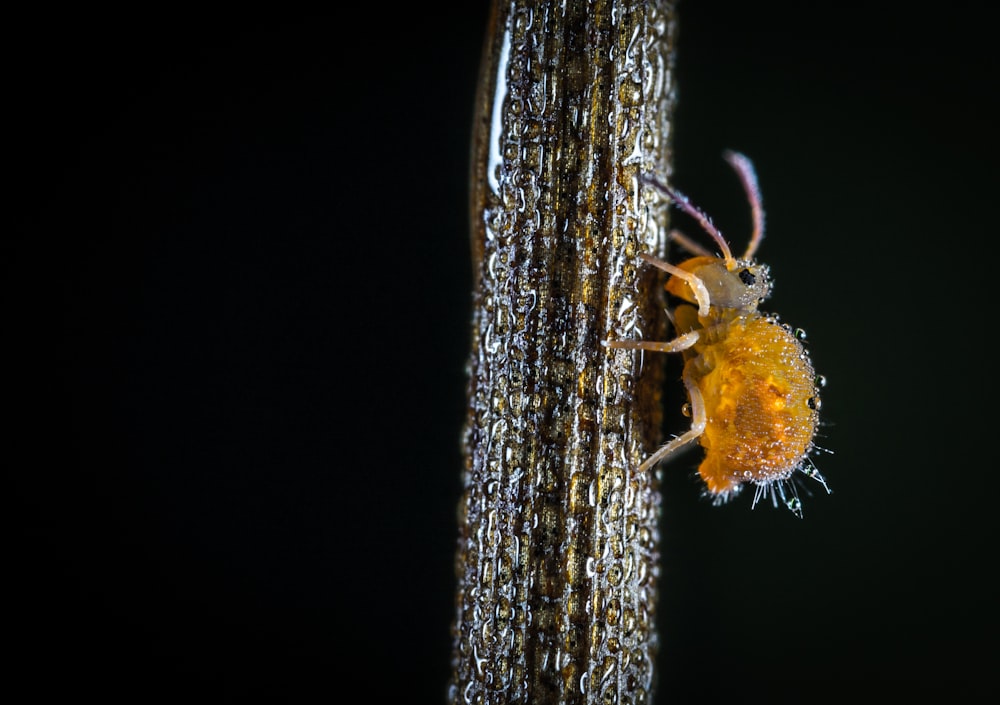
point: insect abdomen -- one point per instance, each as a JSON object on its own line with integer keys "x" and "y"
{"x": 760, "y": 401}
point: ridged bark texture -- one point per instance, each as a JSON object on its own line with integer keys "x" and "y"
{"x": 557, "y": 559}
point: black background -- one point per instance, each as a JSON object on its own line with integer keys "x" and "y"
{"x": 212, "y": 213}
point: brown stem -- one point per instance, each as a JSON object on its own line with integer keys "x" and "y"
{"x": 557, "y": 559}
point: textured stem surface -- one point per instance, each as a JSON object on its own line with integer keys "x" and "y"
{"x": 557, "y": 560}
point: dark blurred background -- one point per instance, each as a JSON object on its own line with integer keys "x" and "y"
{"x": 212, "y": 214}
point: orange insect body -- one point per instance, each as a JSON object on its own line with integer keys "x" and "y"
{"x": 752, "y": 388}
{"x": 757, "y": 386}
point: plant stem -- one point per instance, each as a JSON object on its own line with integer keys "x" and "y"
{"x": 557, "y": 560}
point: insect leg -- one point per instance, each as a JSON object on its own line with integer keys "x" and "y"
{"x": 681, "y": 342}
{"x": 696, "y": 284}
{"x": 698, "y": 421}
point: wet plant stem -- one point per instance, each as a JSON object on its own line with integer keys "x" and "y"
{"x": 557, "y": 561}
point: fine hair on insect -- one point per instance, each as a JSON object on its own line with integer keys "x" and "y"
{"x": 753, "y": 395}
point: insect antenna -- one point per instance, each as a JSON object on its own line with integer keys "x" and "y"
{"x": 685, "y": 205}
{"x": 748, "y": 177}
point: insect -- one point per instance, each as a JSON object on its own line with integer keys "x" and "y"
{"x": 753, "y": 394}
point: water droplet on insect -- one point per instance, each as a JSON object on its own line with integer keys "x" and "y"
{"x": 814, "y": 403}
{"x": 820, "y": 381}
{"x": 800, "y": 334}
{"x": 686, "y": 409}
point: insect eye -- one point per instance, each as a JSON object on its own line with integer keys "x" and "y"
{"x": 747, "y": 277}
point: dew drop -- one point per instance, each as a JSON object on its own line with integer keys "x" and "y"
{"x": 800, "y": 334}
{"x": 820, "y": 381}
{"x": 686, "y": 409}
{"x": 630, "y": 93}
{"x": 613, "y": 611}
